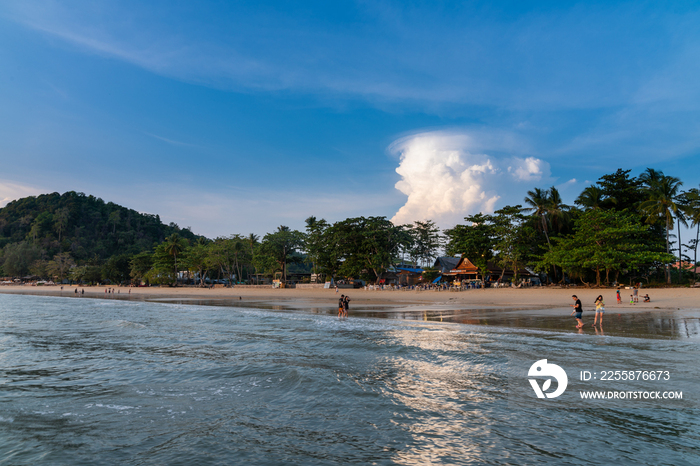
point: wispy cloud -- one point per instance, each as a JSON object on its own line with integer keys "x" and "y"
{"x": 576, "y": 87}
{"x": 169, "y": 141}
{"x": 11, "y": 191}
{"x": 560, "y": 58}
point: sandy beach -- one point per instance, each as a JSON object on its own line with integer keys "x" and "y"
{"x": 539, "y": 299}
{"x": 672, "y": 312}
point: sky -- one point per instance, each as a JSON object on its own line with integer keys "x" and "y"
{"x": 238, "y": 117}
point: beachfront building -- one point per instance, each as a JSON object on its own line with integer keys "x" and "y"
{"x": 465, "y": 270}
{"x": 686, "y": 266}
{"x": 409, "y": 276}
{"x": 445, "y": 264}
{"x": 390, "y": 277}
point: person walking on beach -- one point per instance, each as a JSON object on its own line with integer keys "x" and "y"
{"x": 635, "y": 294}
{"x": 599, "y": 310}
{"x": 578, "y": 310}
{"x": 619, "y": 298}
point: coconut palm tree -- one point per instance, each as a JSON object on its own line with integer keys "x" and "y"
{"x": 590, "y": 198}
{"x": 237, "y": 248}
{"x": 544, "y": 203}
{"x": 662, "y": 192}
{"x": 651, "y": 176}
{"x": 691, "y": 207}
{"x": 681, "y": 219}
{"x": 252, "y": 239}
{"x": 556, "y": 209}
{"x": 174, "y": 246}
{"x": 538, "y": 199}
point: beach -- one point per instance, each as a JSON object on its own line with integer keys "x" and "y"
{"x": 670, "y": 312}
{"x": 686, "y": 299}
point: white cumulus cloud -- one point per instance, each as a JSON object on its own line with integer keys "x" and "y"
{"x": 448, "y": 175}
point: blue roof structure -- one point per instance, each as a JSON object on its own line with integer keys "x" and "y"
{"x": 408, "y": 269}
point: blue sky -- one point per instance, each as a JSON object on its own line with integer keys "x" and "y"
{"x": 236, "y": 117}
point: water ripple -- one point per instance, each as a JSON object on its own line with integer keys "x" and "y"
{"x": 117, "y": 382}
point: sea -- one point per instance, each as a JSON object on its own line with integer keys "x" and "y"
{"x": 133, "y": 382}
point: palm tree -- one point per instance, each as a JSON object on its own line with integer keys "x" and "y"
{"x": 680, "y": 219}
{"x": 237, "y": 250}
{"x": 538, "y": 199}
{"x": 557, "y": 210}
{"x": 558, "y": 215}
{"x": 174, "y": 246}
{"x": 651, "y": 176}
{"x": 691, "y": 207}
{"x": 590, "y": 198}
{"x": 253, "y": 239}
{"x": 662, "y": 193}
{"x": 543, "y": 202}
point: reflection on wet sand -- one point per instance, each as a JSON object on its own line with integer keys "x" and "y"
{"x": 673, "y": 324}
{"x": 648, "y": 324}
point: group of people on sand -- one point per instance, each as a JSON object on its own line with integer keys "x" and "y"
{"x": 599, "y": 308}
{"x": 634, "y": 297}
{"x": 343, "y": 305}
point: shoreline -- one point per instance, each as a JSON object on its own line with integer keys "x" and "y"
{"x": 685, "y": 299}
{"x": 672, "y": 313}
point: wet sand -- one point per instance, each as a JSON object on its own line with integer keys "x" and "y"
{"x": 672, "y": 312}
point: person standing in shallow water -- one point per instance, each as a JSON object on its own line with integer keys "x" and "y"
{"x": 578, "y": 310}
{"x": 599, "y": 310}
{"x": 346, "y": 305}
{"x": 341, "y": 305}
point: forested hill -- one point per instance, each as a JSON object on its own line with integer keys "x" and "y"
{"x": 84, "y": 226}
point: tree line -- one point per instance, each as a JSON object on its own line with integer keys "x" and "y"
{"x": 355, "y": 247}
{"x": 621, "y": 227}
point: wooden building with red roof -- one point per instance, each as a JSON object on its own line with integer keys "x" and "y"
{"x": 466, "y": 270}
